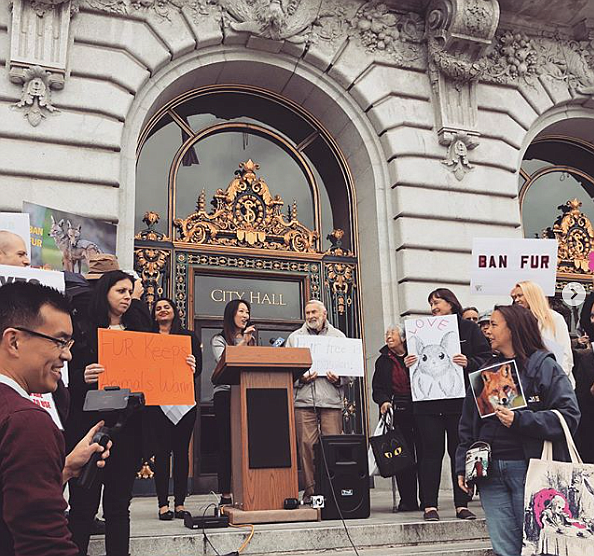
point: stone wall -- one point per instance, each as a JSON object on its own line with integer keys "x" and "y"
{"x": 432, "y": 107}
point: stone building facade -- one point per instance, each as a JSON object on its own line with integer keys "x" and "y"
{"x": 430, "y": 105}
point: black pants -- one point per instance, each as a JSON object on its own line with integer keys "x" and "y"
{"x": 117, "y": 480}
{"x": 432, "y": 430}
{"x": 407, "y": 480}
{"x": 222, "y": 409}
{"x": 179, "y": 444}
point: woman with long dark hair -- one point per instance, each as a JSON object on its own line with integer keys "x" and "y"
{"x": 436, "y": 419}
{"x": 109, "y": 308}
{"x": 516, "y": 436}
{"x": 237, "y": 331}
{"x": 170, "y": 428}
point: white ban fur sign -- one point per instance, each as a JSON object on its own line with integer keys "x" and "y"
{"x": 499, "y": 264}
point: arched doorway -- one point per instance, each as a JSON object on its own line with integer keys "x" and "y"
{"x": 244, "y": 194}
{"x": 556, "y": 193}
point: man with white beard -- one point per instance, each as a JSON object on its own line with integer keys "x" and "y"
{"x": 318, "y": 399}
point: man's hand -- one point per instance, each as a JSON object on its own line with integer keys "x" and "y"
{"x": 332, "y": 378}
{"x": 384, "y": 407}
{"x": 82, "y": 452}
{"x": 308, "y": 377}
{"x": 464, "y": 485}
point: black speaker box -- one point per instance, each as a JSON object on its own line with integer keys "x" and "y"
{"x": 346, "y": 472}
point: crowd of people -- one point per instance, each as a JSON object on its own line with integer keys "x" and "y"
{"x": 555, "y": 373}
{"x": 38, "y": 334}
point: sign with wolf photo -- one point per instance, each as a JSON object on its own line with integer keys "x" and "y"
{"x": 497, "y": 385}
{"x": 18, "y": 223}
{"x": 498, "y": 264}
{"x": 435, "y": 341}
{"x": 66, "y": 241}
{"x": 10, "y": 274}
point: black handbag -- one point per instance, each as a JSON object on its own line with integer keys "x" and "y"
{"x": 390, "y": 450}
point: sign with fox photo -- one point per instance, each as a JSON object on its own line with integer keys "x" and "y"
{"x": 65, "y": 241}
{"x": 497, "y": 385}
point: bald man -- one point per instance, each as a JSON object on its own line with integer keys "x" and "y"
{"x": 13, "y": 251}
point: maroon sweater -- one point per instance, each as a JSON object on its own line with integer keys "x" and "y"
{"x": 32, "y": 505}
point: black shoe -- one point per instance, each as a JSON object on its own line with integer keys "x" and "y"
{"x": 225, "y": 501}
{"x": 180, "y": 514}
{"x": 98, "y": 527}
{"x": 431, "y": 515}
{"x": 167, "y": 516}
{"x": 465, "y": 513}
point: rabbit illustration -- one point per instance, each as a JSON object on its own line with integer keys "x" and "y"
{"x": 435, "y": 376}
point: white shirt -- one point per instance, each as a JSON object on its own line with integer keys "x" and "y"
{"x": 14, "y": 385}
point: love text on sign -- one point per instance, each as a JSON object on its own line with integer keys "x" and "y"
{"x": 154, "y": 364}
{"x": 499, "y": 264}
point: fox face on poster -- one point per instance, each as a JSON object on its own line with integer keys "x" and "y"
{"x": 435, "y": 341}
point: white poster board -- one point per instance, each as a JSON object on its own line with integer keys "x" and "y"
{"x": 9, "y": 274}
{"x": 434, "y": 340}
{"x": 18, "y": 223}
{"x": 341, "y": 356}
{"x": 499, "y": 264}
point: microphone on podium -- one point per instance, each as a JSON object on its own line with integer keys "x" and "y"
{"x": 277, "y": 342}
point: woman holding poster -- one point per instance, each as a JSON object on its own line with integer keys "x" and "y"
{"x": 437, "y": 418}
{"x": 517, "y": 435}
{"x": 236, "y": 331}
{"x": 109, "y": 308}
{"x": 170, "y": 427}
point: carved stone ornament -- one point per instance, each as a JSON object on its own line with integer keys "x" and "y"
{"x": 36, "y": 95}
{"x": 458, "y": 34}
{"x": 272, "y": 19}
{"x": 246, "y": 215}
{"x": 398, "y": 36}
{"x": 575, "y": 238}
{"x": 457, "y": 159}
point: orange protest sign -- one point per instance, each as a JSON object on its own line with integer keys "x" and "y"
{"x": 151, "y": 363}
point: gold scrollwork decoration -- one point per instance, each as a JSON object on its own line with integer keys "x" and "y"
{"x": 151, "y": 219}
{"x": 340, "y": 279}
{"x": 152, "y": 264}
{"x": 575, "y": 237}
{"x": 246, "y": 215}
{"x": 335, "y": 238}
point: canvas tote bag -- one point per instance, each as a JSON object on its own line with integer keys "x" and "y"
{"x": 559, "y": 504}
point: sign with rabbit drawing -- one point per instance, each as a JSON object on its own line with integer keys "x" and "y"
{"x": 435, "y": 341}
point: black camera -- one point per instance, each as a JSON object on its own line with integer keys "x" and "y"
{"x": 118, "y": 401}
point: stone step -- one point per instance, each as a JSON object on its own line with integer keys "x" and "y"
{"x": 467, "y": 538}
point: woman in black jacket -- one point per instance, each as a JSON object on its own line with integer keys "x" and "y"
{"x": 168, "y": 432}
{"x": 517, "y": 436}
{"x": 110, "y": 307}
{"x": 437, "y": 418}
{"x": 391, "y": 391}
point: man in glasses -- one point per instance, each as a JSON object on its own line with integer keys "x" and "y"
{"x": 35, "y": 342}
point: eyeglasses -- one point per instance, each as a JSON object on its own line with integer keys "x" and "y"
{"x": 62, "y": 344}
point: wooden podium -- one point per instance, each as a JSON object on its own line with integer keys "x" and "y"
{"x": 263, "y": 440}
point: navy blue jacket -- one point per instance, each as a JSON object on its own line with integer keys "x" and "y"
{"x": 546, "y": 386}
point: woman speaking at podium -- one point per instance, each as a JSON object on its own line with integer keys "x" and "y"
{"x": 237, "y": 331}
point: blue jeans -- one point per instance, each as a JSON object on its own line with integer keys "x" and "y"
{"x": 502, "y": 498}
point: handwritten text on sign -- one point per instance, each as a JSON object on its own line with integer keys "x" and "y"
{"x": 341, "y": 356}
{"x": 499, "y": 264}
{"x": 154, "y": 364}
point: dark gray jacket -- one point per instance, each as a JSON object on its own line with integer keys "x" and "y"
{"x": 546, "y": 386}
